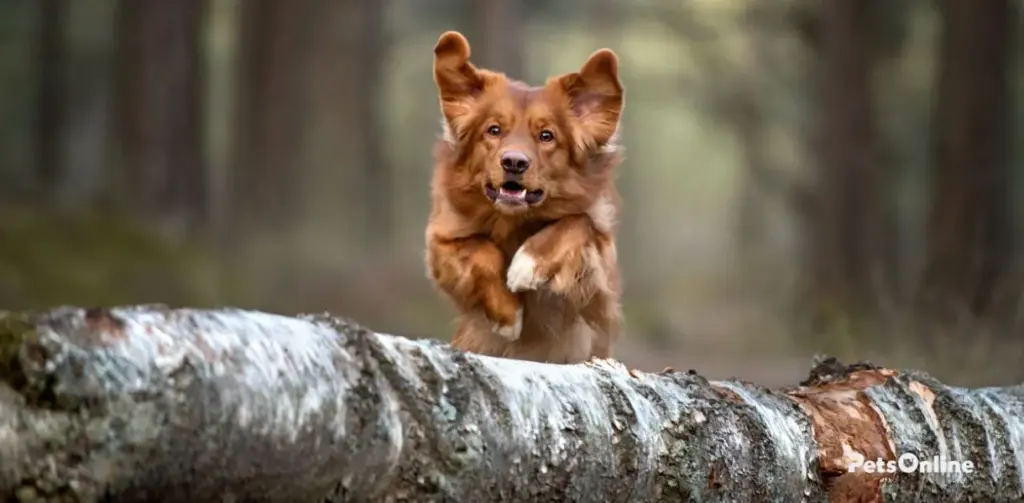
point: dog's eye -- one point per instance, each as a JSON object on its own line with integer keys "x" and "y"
{"x": 494, "y": 130}
{"x": 546, "y": 136}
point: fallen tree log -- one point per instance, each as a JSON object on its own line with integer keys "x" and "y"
{"x": 172, "y": 405}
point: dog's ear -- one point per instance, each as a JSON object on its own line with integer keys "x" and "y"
{"x": 458, "y": 81}
{"x": 596, "y": 96}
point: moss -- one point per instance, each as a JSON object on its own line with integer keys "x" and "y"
{"x": 14, "y": 329}
{"x": 99, "y": 258}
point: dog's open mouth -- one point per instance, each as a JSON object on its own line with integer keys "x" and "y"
{"x": 513, "y": 193}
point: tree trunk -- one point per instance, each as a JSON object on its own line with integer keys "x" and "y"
{"x": 498, "y": 43}
{"x": 153, "y": 404}
{"x": 371, "y": 54}
{"x": 847, "y": 235}
{"x": 160, "y": 133}
{"x": 50, "y": 97}
{"x": 969, "y": 233}
{"x": 269, "y": 115}
{"x": 746, "y": 116}
{"x": 354, "y": 176}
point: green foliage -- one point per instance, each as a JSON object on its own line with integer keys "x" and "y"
{"x": 96, "y": 258}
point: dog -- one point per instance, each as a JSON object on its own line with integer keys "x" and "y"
{"x": 521, "y": 233}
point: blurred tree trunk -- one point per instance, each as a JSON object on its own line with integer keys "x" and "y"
{"x": 370, "y": 53}
{"x": 498, "y": 41}
{"x": 847, "y": 231}
{"x": 352, "y": 39}
{"x": 744, "y": 112}
{"x": 267, "y": 164}
{"x": 969, "y": 234}
{"x": 50, "y": 97}
{"x": 158, "y": 100}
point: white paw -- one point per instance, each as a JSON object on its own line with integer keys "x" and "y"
{"x": 522, "y": 273}
{"x": 510, "y": 332}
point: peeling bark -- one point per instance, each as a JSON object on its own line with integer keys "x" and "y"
{"x": 156, "y": 404}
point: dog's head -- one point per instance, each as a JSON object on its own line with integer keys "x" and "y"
{"x": 545, "y": 151}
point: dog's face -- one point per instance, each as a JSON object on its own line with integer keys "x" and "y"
{"x": 529, "y": 150}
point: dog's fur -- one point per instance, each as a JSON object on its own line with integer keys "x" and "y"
{"x": 534, "y": 275}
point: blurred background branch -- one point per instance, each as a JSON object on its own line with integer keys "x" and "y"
{"x": 801, "y": 176}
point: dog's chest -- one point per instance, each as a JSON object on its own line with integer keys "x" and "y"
{"x": 509, "y": 236}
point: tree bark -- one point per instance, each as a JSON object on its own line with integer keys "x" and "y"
{"x": 969, "y": 231}
{"x": 154, "y": 404}
{"x": 160, "y": 133}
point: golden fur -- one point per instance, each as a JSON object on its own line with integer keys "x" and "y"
{"x": 527, "y": 254}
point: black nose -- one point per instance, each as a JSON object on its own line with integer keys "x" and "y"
{"x": 515, "y": 162}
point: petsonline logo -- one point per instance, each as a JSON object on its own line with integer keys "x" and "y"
{"x": 908, "y": 462}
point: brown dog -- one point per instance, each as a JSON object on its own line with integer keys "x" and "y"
{"x": 521, "y": 233}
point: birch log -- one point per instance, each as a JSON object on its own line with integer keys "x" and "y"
{"x": 179, "y": 405}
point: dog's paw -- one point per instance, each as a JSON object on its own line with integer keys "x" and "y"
{"x": 523, "y": 273}
{"x": 510, "y": 332}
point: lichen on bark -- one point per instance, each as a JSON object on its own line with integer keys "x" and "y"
{"x": 148, "y": 403}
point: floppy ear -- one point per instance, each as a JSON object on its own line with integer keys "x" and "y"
{"x": 596, "y": 96}
{"x": 458, "y": 81}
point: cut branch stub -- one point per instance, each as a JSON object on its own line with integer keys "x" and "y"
{"x": 157, "y": 404}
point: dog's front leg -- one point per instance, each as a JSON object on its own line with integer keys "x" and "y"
{"x": 471, "y": 272}
{"x": 574, "y": 259}
{"x": 569, "y": 257}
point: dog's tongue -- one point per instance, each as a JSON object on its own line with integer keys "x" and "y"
{"x": 512, "y": 195}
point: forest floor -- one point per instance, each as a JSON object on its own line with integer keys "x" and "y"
{"x": 719, "y": 334}
{"x": 772, "y": 371}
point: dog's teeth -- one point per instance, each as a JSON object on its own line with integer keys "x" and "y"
{"x": 513, "y": 193}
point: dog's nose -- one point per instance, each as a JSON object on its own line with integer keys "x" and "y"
{"x": 515, "y": 162}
